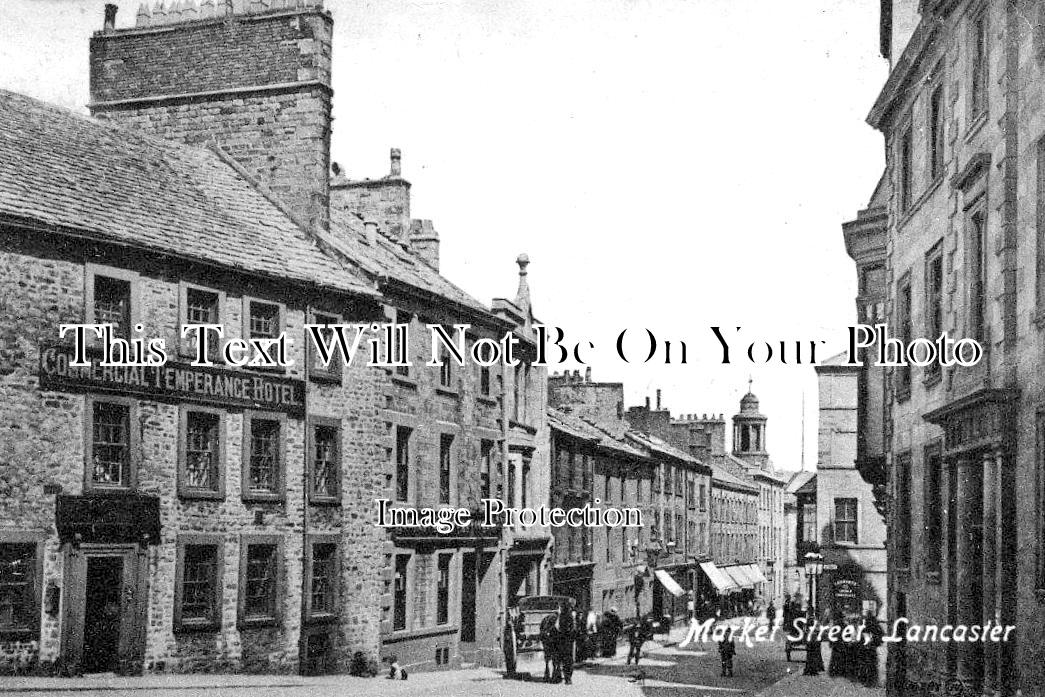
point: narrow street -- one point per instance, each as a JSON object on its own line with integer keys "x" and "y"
{"x": 666, "y": 670}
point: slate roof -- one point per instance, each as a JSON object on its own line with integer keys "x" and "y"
{"x": 389, "y": 258}
{"x": 590, "y": 431}
{"x": 661, "y": 446}
{"x": 58, "y": 168}
{"x": 721, "y": 474}
{"x": 800, "y": 482}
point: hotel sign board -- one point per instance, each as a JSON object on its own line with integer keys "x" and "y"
{"x": 173, "y": 381}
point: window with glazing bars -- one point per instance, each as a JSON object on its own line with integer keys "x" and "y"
{"x": 199, "y": 582}
{"x": 264, "y": 320}
{"x": 324, "y": 578}
{"x": 445, "y": 467}
{"x": 402, "y": 463}
{"x": 325, "y": 461}
{"x": 112, "y": 304}
{"x": 260, "y": 591}
{"x": 442, "y": 610}
{"x": 845, "y": 520}
{"x": 110, "y": 444}
{"x": 18, "y": 611}
{"x": 399, "y": 592}
{"x": 264, "y": 455}
{"x": 201, "y": 450}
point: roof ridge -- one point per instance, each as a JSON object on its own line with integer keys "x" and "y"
{"x": 311, "y": 232}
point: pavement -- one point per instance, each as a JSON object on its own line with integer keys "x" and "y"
{"x": 666, "y": 670}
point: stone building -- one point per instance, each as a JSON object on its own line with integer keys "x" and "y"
{"x": 800, "y": 532}
{"x": 849, "y": 528}
{"x": 661, "y": 560}
{"x": 962, "y": 117}
{"x": 222, "y": 518}
{"x": 747, "y": 467}
{"x": 599, "y": 567}
{"x": 161, "y": 512}
{"x": 456, "y": 435}
{"x": 679, "y": 451}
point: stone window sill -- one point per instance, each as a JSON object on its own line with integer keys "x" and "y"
{"x": 324, "y": 500}
{"x": 201, "y": 495}
{"x": 325, "y": 376}
{"x": 257, "y": 622}
{"x": 195, "y": 627}
{"x": 404, "y": 381}
{"x": 323, "y": 618}
{"x": 404, "y": 634}
{"x": 262, "y": 498}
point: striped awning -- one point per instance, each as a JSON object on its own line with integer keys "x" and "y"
{"x": 738, "y": 575}
{"x": 755, "y": 573}
{"x": 721, "y": 582}
{"x": 668, "y": 582}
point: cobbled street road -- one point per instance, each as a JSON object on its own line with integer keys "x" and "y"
{"x": 666, "y": 671}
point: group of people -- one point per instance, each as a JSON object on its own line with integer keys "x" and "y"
{"x": 602, "y": 632}
{"x": 856, "y": 658}
{"x": 854, "y": 654}
{"x": 570, "y": 636}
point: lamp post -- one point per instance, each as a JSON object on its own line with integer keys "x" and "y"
{"x": 814, "y": 565}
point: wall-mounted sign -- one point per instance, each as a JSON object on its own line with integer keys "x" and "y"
{"x": 173, "y": 381}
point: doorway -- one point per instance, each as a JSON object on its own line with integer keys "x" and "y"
{"x": 101, "y": 624}
{"x": 468, "y": 583}
{"x": 103, "y": 629}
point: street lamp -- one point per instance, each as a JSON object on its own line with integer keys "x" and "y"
{"x": 814, "y": 564}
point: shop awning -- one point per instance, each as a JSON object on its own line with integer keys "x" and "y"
{"x": 739, "y": 577}
{"x": 721, "y": 582}
{"x": 756, "y": 574}
{"x": 668, "y": 582}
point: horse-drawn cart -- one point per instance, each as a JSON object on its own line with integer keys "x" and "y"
{"x": 532, "y": 611}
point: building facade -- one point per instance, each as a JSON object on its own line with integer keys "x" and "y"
{"x": 601, "y": 568}
{"x": 962, "y": 120}
{"x": 849, "y": 528}
{"x": 223, "y": 518}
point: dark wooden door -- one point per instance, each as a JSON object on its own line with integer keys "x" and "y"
{"x": 102, "y": 614}
{"x": 468, "y": 583}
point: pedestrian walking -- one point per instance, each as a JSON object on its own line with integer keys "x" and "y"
{"x": 638, "y": 634}
{"x": 726, "y": 651}
{"x": 509, "y": 644}
{"x": 611, "y": 629}
{"x": 771, "y": 613}
{"x": 867, "y": 664}
{"x": 814, "y": 655}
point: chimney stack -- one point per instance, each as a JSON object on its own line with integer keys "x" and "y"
{"x": 397, "y": 165}
{"x": 587, "y": 374}
{"x": 658, "y": 400}
{"x": 110, "y": 18}
{"x": 280, "y": 135}
{"x": 647, "y": 402}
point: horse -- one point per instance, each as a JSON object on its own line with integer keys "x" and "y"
{"x": 558, "y": 635}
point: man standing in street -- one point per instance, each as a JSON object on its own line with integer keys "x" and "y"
{"x": 726, "y": 650}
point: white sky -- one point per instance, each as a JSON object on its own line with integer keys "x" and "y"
{"x": 671, "y": 164}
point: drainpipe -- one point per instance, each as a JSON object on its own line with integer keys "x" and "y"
{"x": 302, "y": 638}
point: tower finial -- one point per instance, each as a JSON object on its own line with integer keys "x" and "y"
{"x": 522, "y": 296}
